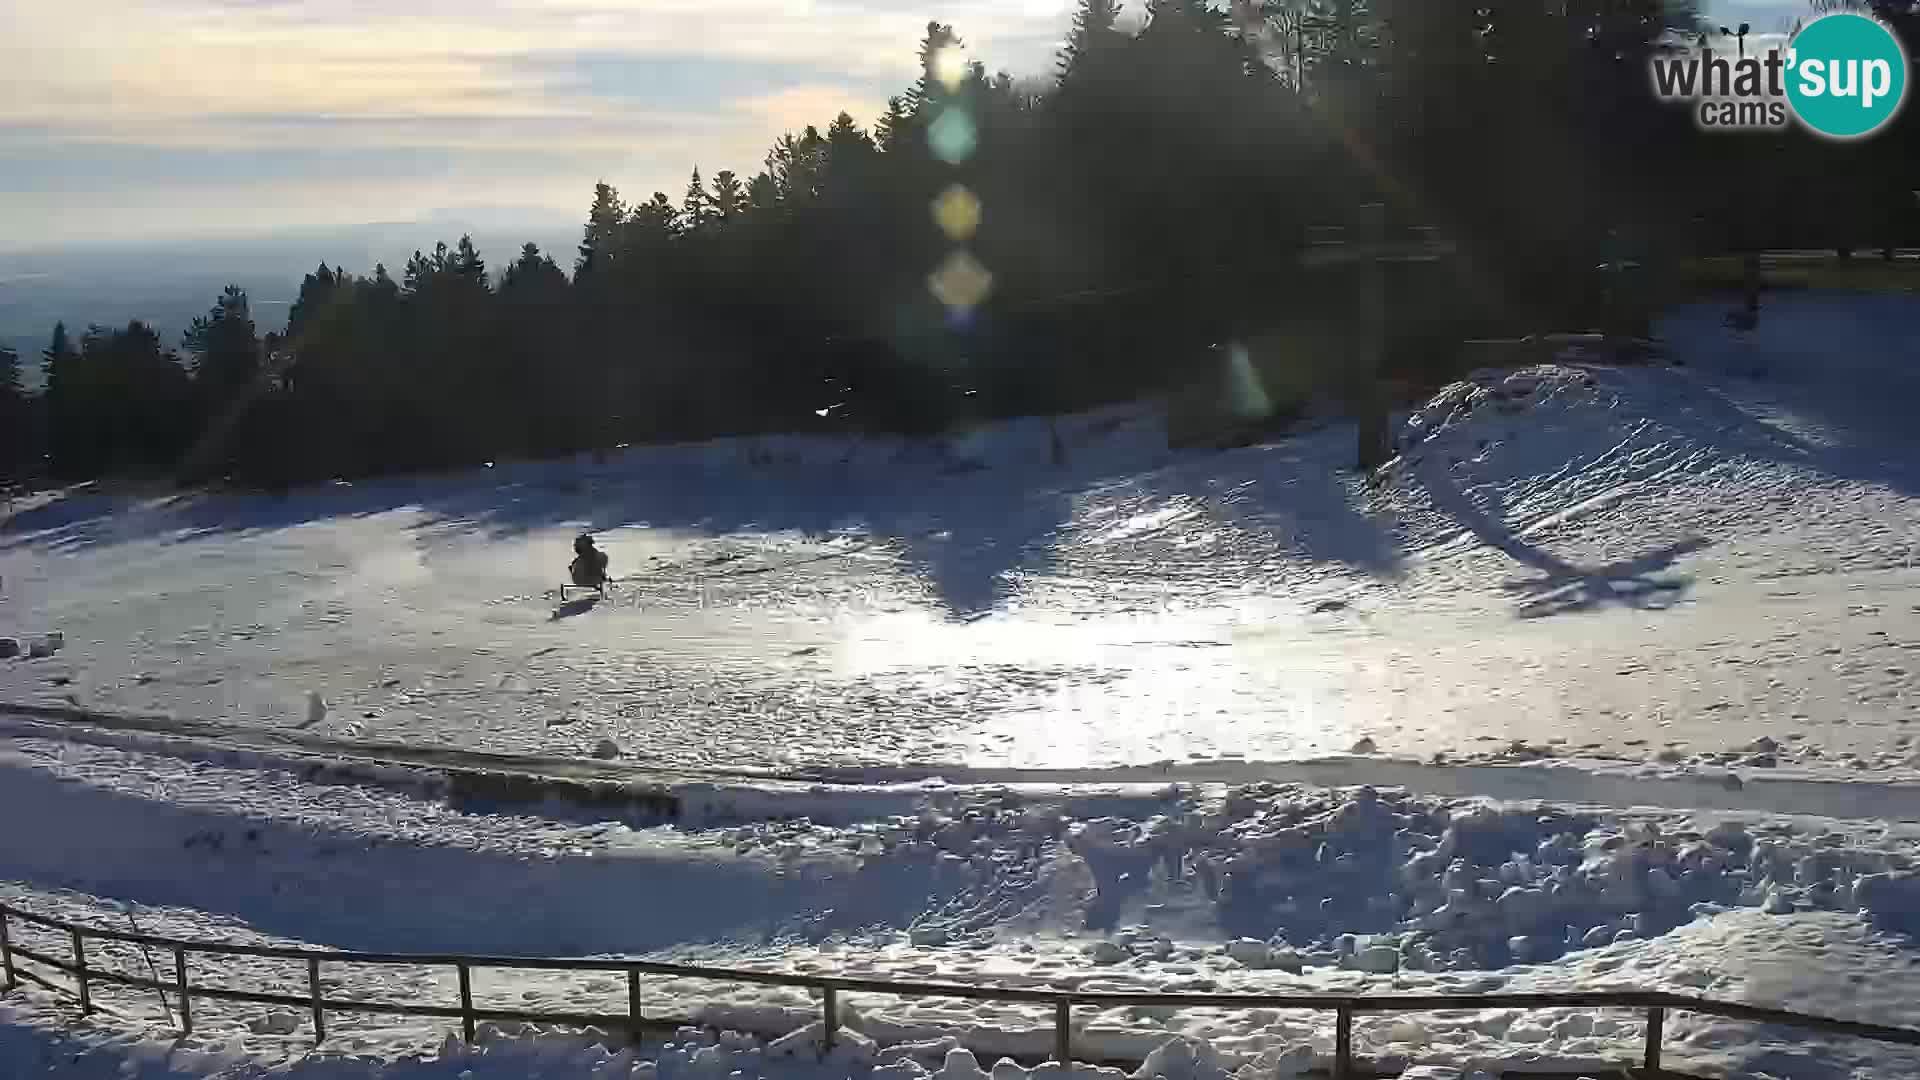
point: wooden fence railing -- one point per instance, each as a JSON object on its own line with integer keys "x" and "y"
{"x": 1344, "y": 1006}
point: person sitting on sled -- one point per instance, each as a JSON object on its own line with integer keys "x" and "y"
{"x": 589, "y": 566}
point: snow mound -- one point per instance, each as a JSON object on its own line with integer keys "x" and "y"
{"x": 1380, "y": 881}
{"x": 1492, "y": 390}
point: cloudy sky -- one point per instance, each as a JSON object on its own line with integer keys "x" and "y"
{"x": 124, "y": 118}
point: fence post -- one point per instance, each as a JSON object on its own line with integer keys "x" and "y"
{"x": 6, "y": 952}
{"x": 466, "y": 1003}
{"x": 80, "y": 973}
{"x": 830, "y": 1003}
{"x": 1656, "y": 1030}
{"x": 1343, "y": 1043}
{"x": 633, "y": 1004}
{"x": 313, "y": 991}
{"x": 180, "y": 987}
{"x": 1063, "y": 1031}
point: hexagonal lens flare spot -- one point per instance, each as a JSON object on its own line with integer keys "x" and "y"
{"x": 960, "y": 283}
{"x": 952, "y": 136}
{"x": 957, "y": 212}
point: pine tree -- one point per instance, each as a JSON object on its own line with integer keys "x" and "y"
{"x": 891, "y": 128}
{"x": 845, "y": 136}
{"x": 316, "y": 295}
{"x": 224, "y": 345}
{"x": 809, "y": 173}
{"x": 654, "y": 222}
{"x": 848, "y": 161}
{"x": 1095, "y": 33}
{"x": 729, "y": 198}
{"x": 55, "y": 357}
{"x": 1339, "y": 38}
{"x": 605, "y": 221}
{"x": 419, "y": 274}
{"x": 696, "y": 206}
{"x": 466, "y": 265}
{"x": 531, "y": 270}
{"x": 929, "y": 89}
{"x": 227, "y": 380}
{"x": 763, "y": 195}
{"x": 14, "y": 413}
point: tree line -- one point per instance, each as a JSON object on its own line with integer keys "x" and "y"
{"x": 989, "y": 246}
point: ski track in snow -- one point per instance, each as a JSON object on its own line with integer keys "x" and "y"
{"x": 1579, "y": 589}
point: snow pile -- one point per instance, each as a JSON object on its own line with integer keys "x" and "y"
{"x": 1380, "y": 882}
{"x": 1506, "y": 457}
{"x": 1259, "y": 889}
{"x": 1496, "y": 390}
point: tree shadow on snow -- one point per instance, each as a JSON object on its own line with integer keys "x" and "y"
{"x": 1297, "y": 494}
{"x": 1630, "y": 583}
{"x": 1563, "y": 587}
{"x": 968, "y": 530}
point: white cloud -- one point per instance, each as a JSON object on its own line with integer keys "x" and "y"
{"x": 412, "y": 75}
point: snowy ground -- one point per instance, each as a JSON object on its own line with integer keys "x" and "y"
{"x": 1671, "y": 561}
{"x": 1625, "y": 654}
{"x": 1274, "y": 888}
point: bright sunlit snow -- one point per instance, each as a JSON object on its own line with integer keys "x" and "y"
{"x": 1606, "y": 680}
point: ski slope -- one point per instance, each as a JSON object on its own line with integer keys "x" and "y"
{"x": 1605, "y": 681}
{"x": 1645, "y": 565}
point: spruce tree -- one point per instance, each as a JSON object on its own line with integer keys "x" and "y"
{"x": 891, "y": 128}
{"x": 654, "y": 222}
{"x": 54, "y": 359}
{"x": 606, "y": 218}
{"x": 696, "y": 206}
{"x": 763, "y": 195}
{"x": 729, "y": 198}
{"x": 14, "y": 406}
{"x": 1095, "y": 32}
{"x": 929, "y": 89}
{"x": 225, "y": 346}
{"x": 848, "y": 161}
{"x": 466, "y": 265}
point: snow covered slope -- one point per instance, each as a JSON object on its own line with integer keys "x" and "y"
{"x": 1641, "y": 564}
{"x": 1608, "y": 679}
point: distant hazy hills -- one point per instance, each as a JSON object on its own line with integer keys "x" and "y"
{"x": 168, "y": 282}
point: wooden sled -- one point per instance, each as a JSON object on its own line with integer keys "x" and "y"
{"x": 570, "y": 589}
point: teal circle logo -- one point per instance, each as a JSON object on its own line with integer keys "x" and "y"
{"x": 1846, "y": 75}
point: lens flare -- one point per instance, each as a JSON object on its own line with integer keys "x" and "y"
{"x": 952, "y": 136}
{"x": 1246, "y": 395}
{"x": 957, "y": 212}
{"x": 961, "y": 282}
{"x": 949, "y": 64}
